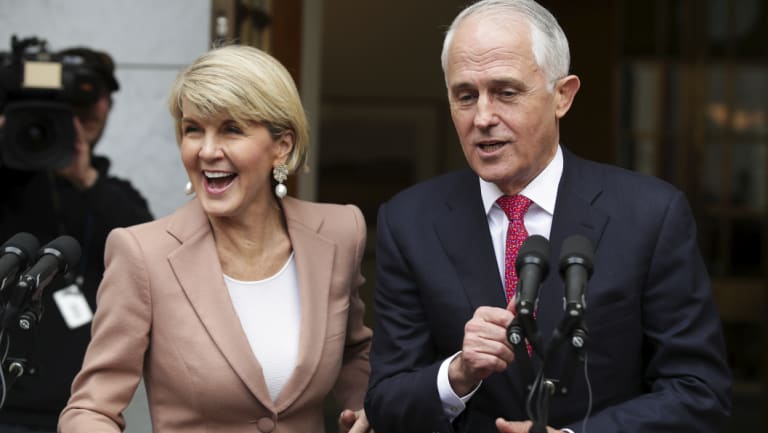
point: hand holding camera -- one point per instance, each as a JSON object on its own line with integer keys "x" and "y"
{"x": 80, "y": 172}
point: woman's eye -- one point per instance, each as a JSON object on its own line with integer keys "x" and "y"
{"x": 190, "y": 129}
{"x": 233, "y": 129}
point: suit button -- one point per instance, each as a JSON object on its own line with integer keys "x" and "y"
{"x": 265, "y": 425}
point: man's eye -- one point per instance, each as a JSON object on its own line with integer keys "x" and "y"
{"x": 465, "y": 98}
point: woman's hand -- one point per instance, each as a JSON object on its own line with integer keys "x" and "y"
{"x": 354, "y": 422}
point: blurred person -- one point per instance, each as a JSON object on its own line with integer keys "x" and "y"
{"x": 81, "y": 200}
{"x": 240, "y": 310}
{"x": 446, "y": 281}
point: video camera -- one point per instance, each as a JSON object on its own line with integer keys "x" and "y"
{"x": 37, "y": 92}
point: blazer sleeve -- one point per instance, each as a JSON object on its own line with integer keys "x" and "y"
{"x": 351, "y": 384}
{"x": 402, "y": 393}
{"x": 113, "y": 363}
{"x": 686, "y": 377}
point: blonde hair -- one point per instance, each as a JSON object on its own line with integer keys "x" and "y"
{"x": 248, "y": 85}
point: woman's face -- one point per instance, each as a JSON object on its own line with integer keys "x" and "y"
{"x": 229, "y": 164}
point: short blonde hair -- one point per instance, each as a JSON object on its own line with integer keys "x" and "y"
{"x": 248, "y": 85}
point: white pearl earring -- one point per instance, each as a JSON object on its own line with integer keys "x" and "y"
{"x": 280, "y": 173}
{"x": 188, "y": 190}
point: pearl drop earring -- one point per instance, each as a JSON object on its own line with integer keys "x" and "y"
{"x": 280, "y": 173}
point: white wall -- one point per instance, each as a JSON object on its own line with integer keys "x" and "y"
{"x": 150, "y": 41}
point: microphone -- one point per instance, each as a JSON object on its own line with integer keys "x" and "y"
{"x": 576, "y": 268}
{"x": 532, "y": 266}
{"x": 55, "y": 257}
{"x": 14, "y": 255}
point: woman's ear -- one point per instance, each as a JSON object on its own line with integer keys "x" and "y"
{"x": 565, "y": 92}
{"x": 285, "y": 145}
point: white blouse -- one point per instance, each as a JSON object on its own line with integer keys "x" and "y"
{"x": 270, "y": 313}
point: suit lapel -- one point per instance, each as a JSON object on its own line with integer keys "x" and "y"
{"x": 463, "y": 232}
{"x": 314, "y": 257}
{"x": 575, "y": 213}
{"x": 196, "y": 266}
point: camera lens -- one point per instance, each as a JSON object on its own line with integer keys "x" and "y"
{"x": 35, "y": 136}
{"x": 39, "y": 135}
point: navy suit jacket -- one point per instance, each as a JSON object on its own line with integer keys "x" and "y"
{"x": 656, "y": 357}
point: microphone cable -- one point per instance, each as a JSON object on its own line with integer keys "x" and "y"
{"x": 3, "y": 390}
{"x": 589, "y": 393}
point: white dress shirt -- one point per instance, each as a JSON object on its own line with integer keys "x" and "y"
{"x": 542, "y": 191}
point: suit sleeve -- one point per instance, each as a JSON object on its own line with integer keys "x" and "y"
{"x": 351, "y": 384}
{"x": 113, "y": 363}
{"x": 402, "y": 393}
{"x": 686, "y": 375}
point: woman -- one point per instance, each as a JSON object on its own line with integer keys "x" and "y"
{"x": 241, "y": 309}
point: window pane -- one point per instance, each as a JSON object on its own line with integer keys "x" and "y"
{"x": 748, "y": 178}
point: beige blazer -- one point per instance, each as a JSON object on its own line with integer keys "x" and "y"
{"x": 164, "y": 312}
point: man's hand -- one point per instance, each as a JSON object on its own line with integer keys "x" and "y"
{"x": 80, "y": 172}
{"x": 485, "y": 349}
{"x": 354, "y": 422}
{"x": 518, "y": 426}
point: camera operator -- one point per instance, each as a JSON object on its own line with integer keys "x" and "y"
{"x": 83, "y": 201}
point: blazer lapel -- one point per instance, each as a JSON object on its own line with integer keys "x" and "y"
{"x": 314, "y": 257}
{"x": 196, "y": 266}
{"x": 463, "y": 232}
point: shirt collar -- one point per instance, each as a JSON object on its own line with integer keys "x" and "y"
{"x": 542, "y": 190}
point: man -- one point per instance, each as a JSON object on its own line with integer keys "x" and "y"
{"x": 441, "y": 361}
{"x": 83, "y": 201}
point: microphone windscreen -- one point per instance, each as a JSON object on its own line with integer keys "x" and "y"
{"x": 67, "y": 246}
{"x": 24, "y": 242}
{"x": 535, "y": 249}
{"x": 576, "y": 249}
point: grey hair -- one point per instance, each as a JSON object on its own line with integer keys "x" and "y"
{"x": 548, "y": 41}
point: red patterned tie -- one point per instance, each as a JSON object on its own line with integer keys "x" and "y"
{"x": 515, "y": 207}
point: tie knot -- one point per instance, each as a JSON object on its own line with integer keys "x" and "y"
{"x": 514, "y": 206}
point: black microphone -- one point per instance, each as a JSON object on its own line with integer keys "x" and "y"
{"x": 532, "y": 266}
{"x": 55, "y": 257}
{"x": 14, "y": 255}
{"x": 576, "y": 268}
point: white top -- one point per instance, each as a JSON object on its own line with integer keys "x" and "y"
{"x": 270, "y": 313}
{"x": 542, "y": 191}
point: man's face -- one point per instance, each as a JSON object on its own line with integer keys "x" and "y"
{"x": 504, "y": 114}
{"x": 93, "y": 117}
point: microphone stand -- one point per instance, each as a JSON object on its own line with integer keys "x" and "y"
{"x": 522, "y": 328}
{"x": 574, "y": 329}
{"x": 516, "y": 335}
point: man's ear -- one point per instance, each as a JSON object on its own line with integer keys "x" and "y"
{"x": 565, "y": 92}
